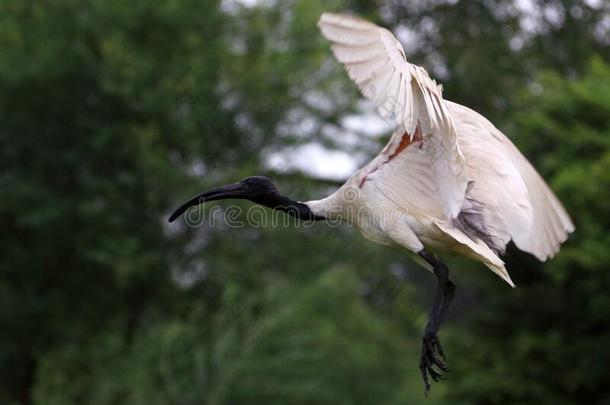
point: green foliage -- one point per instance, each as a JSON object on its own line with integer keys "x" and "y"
{"x": 323, "y": 345}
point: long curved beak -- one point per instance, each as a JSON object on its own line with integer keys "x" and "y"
{"x": 235, "y": 190}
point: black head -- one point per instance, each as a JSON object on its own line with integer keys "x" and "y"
{"x": 259, "y": 186}
{"x": 259, "y": 189}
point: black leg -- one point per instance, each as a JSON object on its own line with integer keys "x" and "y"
{"x": 432, "y": 351}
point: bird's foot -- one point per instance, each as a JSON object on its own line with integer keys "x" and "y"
{"x": 432, "y": 355}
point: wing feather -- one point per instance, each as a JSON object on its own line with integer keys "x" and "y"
{"x": 512, "y": 199}
{"x": 405, "y": 94}
{"x": 349, "y": 54}
{"x": 551, "y": 223}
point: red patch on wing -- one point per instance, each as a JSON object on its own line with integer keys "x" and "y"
{"x": 406, "y": 141}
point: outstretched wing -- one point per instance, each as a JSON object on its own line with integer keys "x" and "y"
{"x": 404, "y": 93}
{"x": 508, "y": 199}
{"x": 551, "y": 223}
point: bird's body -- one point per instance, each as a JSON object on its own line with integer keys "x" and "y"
{"x": 394, "y": 198}
{"x": 448, "y": 179}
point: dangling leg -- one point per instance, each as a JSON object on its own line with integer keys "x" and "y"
{"x": 432, "y": 351}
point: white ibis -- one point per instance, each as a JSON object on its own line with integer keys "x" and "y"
{"x": 447, "y": 179}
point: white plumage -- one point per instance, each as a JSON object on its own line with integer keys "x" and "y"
{"x": 447, "y": 178}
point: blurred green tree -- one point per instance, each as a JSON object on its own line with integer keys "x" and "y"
{"x": 96, "y": 110}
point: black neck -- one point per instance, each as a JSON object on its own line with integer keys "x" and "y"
{"x": 285, "y": 204}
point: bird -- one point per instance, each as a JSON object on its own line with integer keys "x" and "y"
{"x": 446, "y": 181}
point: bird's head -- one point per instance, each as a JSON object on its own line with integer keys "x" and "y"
{"x": 258, "y": 186}
{"x": 258, "y": 189}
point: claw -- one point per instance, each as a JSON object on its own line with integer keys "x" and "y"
{"x": 440, "y": 364}
{"x": 436, "y": 376}
{"x": 432, "y": 355}
{"x": 439, "y": 348}
{"x": 424, "y": 374}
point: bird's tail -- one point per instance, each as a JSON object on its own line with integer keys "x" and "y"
{"x": 476, "y": 249}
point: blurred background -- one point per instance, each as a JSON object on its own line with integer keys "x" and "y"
{"x": 113, "y": 112}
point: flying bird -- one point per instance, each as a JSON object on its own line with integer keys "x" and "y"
{"x": 447, "y": 180}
